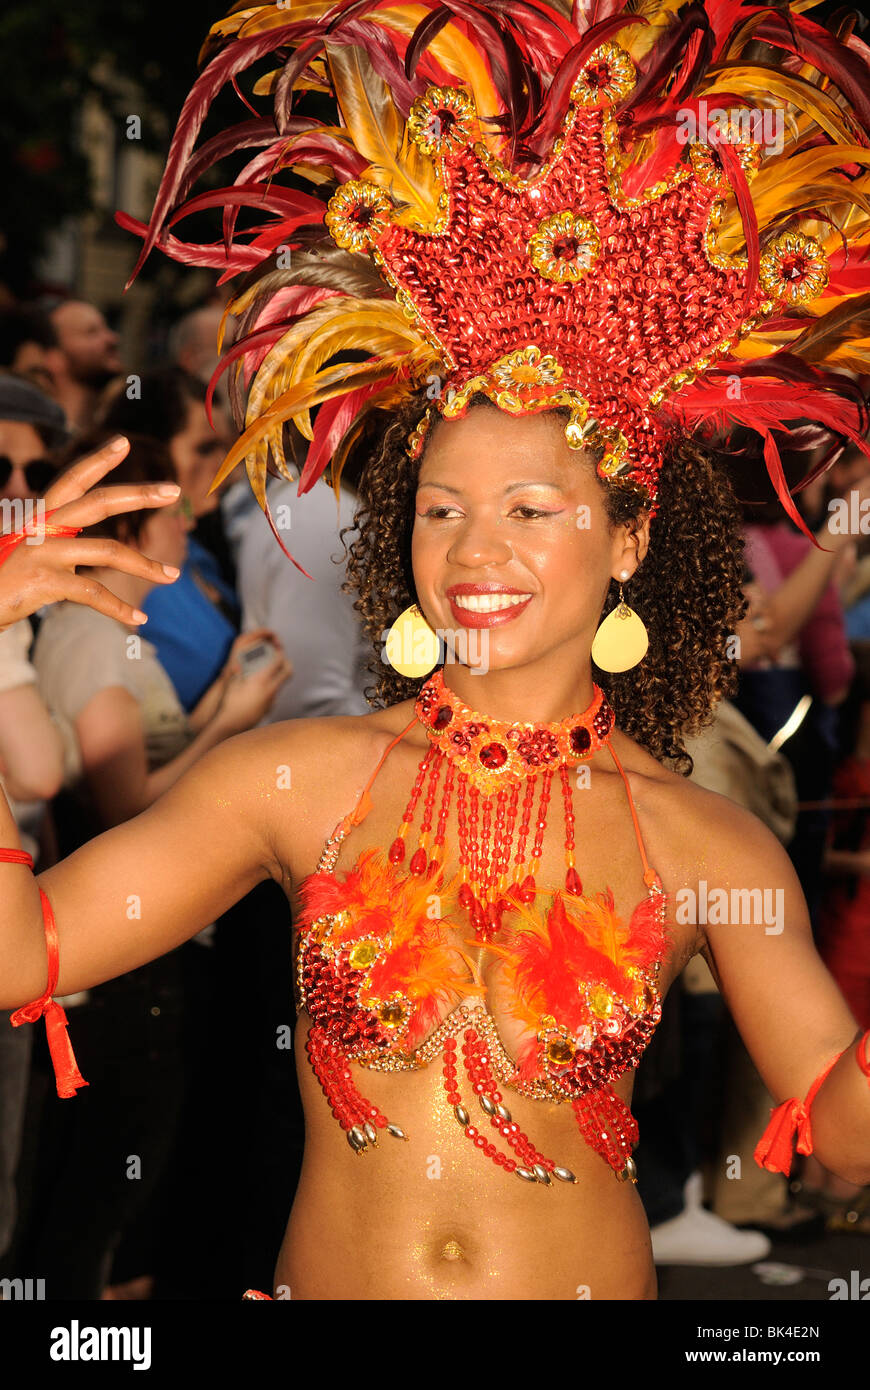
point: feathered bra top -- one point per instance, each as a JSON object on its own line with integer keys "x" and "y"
{"x": 378, "y": 969}
{"x": 386, "y": 970}
{"x": 655, "y": 213}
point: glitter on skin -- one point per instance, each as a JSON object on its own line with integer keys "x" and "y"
{"x": 452, "y": 1250}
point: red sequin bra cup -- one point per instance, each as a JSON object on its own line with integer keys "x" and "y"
{"x": 380, "y": 975}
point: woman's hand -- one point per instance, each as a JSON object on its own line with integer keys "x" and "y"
{"x": 208, "y": 705}
{"x": 233, "y": 667}
{"x": 44, "y": 571}
{"x": 752, "y": 630}
{"x": 247, "y": 698}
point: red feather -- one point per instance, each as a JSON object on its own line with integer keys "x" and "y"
{"x": 813, "y": 44}
{"x": 222, "y": 68}
{"x": 192, "y": 253}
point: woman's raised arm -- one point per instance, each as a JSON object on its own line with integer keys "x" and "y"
{"x": 150, "y": 884}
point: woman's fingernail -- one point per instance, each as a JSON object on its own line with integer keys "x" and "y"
{"x": 117, "y": 444}
{"x": 139, "y": 616}
{"x": 172, "y": 570}
{"x": 168, "y": 490}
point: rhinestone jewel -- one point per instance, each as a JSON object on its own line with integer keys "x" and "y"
{"x": 580, "y": 739}
{"x": 600, "y": 1001}
{"x": 493, "y": 755}
{"x": 362, "y": 954}
{"x": 559, "y": 1052}
{"x": 391, "y": 1014}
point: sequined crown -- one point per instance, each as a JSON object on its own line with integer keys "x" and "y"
{"x": 499, "y": 198}
{"x": 560, "y": 289}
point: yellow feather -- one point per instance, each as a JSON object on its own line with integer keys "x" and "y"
{"x": 268, "y": 17}
{"x": 797, "y": 198}
{"x": 348, "y": 324}
{"x": 336, "y": 381}
{"x": 232, "y": 22}
{"x": 749, "y": 81}
{"x": 265, "y": 86}
{"x": 806, "y": 165}
{"x": 638, "y": 40}
{"x": 377, "y": 130}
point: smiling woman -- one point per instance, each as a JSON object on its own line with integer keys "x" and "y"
{"x": 685, "y": 566}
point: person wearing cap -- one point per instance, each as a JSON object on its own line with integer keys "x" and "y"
{"x": 31, "y": 745}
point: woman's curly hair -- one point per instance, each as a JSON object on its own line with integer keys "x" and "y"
{"x": 688, "y": 590}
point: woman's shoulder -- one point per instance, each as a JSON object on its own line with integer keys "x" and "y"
{"x": 345, "y": 732}
{"x": 324, "y": 757}
{"x": 696, "y": 826}
{"x": 301, "y": 777}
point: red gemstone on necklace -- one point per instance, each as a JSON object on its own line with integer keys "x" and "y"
{"x": 417, "y": 865}
{"x": 580, "y": 739}
{"x": 397, "y": 850}
{"x": 493, "y": 755}
{"x": 442, "y": 718}
{"x": 465, "y": 896}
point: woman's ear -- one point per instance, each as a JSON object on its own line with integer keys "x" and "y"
{"x": 631, "y": 543}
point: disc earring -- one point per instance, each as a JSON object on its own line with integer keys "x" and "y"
{"x": 621, "y": 640}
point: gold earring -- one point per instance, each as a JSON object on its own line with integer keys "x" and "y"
{"x": 411, "y": 646}
{"x": 621, "y": 640}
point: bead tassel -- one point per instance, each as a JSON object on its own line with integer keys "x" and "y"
{"x": 529, "y": 1164}
{"x": 608, "y": 1127}
{"x": 492, "y": 758}
{"x": 357, "y": 1116}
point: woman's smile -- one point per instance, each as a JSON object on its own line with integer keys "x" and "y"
{"x": 486, "y": 605}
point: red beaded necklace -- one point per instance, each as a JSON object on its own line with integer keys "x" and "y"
{"x": 488, "y": 762}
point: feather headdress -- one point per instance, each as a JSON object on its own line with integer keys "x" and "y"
{"x": 545, "y": 201}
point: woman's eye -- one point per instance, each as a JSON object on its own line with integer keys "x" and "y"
{"x": 526, "y": 513}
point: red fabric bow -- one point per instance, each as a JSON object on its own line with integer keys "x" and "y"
{"x": 68, "y": 1078}
{"x": 776, "y": 1147}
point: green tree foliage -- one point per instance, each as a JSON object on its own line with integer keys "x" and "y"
{"x": 54, "y": 54}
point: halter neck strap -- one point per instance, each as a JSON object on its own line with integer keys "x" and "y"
{"x": 329, "y": 855}
{"x": 650, "y": 877}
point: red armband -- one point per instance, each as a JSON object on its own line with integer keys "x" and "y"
{"x": 775, "y": 1149}
{"x": 33, "y": 528}
{"x": 66, "y": 1073}
{"x": 862, "y": 1054}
